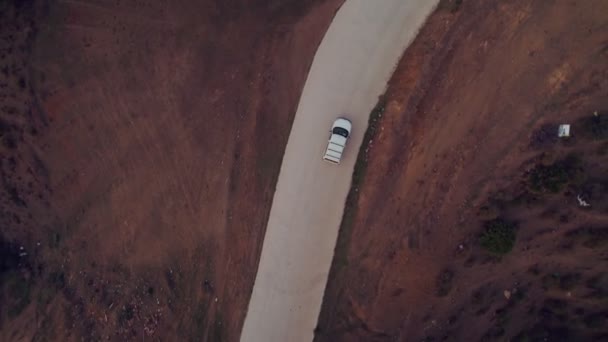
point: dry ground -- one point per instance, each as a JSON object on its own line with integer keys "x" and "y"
{"x": 141, "y": 141}
{"x": 466, "y": 135}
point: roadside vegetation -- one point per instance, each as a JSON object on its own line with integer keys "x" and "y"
{"x": 562, "y": 168}
{"x": 498, "y": 237}
{"x": 358, "y": 176}
{"x": 563, "y": 173}
{"x": 16, "y": 280}
{"x": 452, "y": 6}
{"x": 553, "y": 177}
{"x": 594, "y": 126}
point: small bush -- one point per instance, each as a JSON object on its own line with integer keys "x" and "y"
{"x": 550, "y": 281}
{"x": 599, "y": 281}
{"x": 564, "y": 282}
{"x": 519, "y": 295}
{"x": 126, "y": 314}
{"x": 19, "y": 290}
{"x": 534, "y": 270}
{"x": 494, "y": 333}
{"x": 552, "y": 178}
{"x": 444, "y": 283}
{"x": 595, "y": 192}
{"x": 452, "y": 6}
{"x": 502, "y": 316}
{"x": 525, "y": 198}
{"x": 591, "y": 237}
{"x": 54, "y": 239}
{"x": 596, "y": 320}
{"x": 545, "y": 136}
{"x": 488, "y": 212}
{"x": 594, "y": 126}
{"x": 522, "y": 336}
{"x": 598, "y": 285}
{"x": 498, "y": 237}
{"x": 569, "y": 281}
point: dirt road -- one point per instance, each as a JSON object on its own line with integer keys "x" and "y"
{"x": 349, "y": 72}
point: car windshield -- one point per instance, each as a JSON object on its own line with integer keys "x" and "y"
{"x": 340, "y": 131}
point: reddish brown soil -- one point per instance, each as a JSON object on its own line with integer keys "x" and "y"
{"x": 141, "y": 141}
{"x": 471, "y": 113}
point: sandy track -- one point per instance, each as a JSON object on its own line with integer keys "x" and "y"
{"x": 349, "y": 72}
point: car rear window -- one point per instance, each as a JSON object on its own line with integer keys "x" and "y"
{"x": 340, "y": 131}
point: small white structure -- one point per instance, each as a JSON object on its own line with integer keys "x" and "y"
{"x": 582, "y": 202}
{"x": 563, "y": 131}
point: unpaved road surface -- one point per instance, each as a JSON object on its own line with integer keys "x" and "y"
{"x": 349, "y": 72}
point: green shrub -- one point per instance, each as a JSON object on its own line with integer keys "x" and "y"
{"x": 594, "y": 126}
{"x": 552, "y": 178}
{"x": 498, "y": 237}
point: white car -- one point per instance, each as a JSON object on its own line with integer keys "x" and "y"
{"x": 340, "y": 131}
